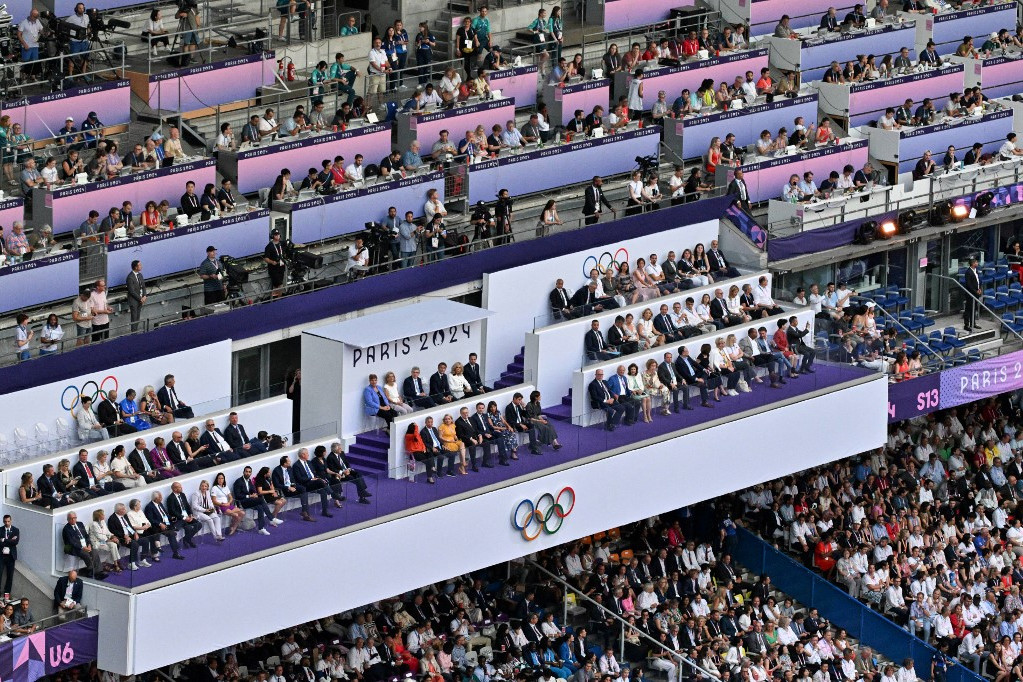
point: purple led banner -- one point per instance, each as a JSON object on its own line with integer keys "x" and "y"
{"x": 674, "y": 79}
{"x": 766, "y": 179}
{"x": 745, "y": 123}
{"x": 11, "y": 210}
{"x": 208, "y": 85}
{"x": 913, "y": 397}
{"x": 71, "y": 205}
{"x": 561, "y": 164}
{"x": 39, "y": 281}
{"x": 260, "y": 166}
{"x": 348, "y": 212}
{"x": 990, "y": 130}
{"x": 1001, "y": 76}
{"x": 867, "y": 101}
{"x": 519, "y": 83}
{"x": 49, "y": 651}
{"x": 585, "y": 96}
{"x": 949, "y": 28}
{"x": 622, "y": 14}
{"x": 765, "y": 14}
{"x": 981, "y": 379}
{"x": 42, "y": 116}
{"x": 427, "y": 127}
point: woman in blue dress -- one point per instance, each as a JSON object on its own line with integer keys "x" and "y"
{"x": 502, "y": 428}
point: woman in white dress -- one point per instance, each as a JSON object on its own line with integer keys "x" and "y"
{"x": 652, "y": 384}
{"x": 102, "y": 539}
{"x": 204, "y": 510}
{"x": 649, "y": 337}
{"x": 733, "y": 304}
{"x": 638, "y": 390}
{"x": 223, "y": 500}
{"x": 393, "y": 393}
{"x": 123, "y": 471}
{"x": 460, "y": 386}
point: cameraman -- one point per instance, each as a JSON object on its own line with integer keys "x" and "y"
{"x": 358, "y": 259}
{"x": 28, "y": 36}
{"x": 483, "y": 225}
{"x": 273, "y": 255}
{"x": 188, "y": 25}
{"x": 83, "y": 46}
{"x": 389, "y": 237}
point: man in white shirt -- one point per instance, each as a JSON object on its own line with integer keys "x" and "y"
{"x": 1009, "y": 149}
{"x": 378, "y": 68}
{"x": 573, "y": 564}
{"x": 906, "y": 673}
{"x": 268, "y": 124}
{"x": 845, "y": 180}
{"x": 762, "y": 297}
{"x": 971, "y": 649}
{"x": 888, "y": 122}
{"x": 354, "y": 172}
{"x": 433, "y": 206}
{"x": 358, "y": 259}
{"x": 511, "y": 135}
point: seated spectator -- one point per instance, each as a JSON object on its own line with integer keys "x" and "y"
{"x": 67, "y": 593}
{"x": 168, "y": 397}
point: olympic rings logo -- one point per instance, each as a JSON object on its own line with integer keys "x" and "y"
{"x": 605, "y": 262}
{"x": 71, "y": 396}
{"x": 539, "y": 515}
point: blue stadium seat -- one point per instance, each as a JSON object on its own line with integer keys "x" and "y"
{"x": 894, "y": 297}
{"x": 991, "y": 301}
{"x": 951, "y": 337}
{"x": 937, "y": 342}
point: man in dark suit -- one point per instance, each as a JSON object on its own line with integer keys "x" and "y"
{"x": 121, "y": 528}
{"x": 9, "y": 536}
{"x": 469, "y": 435}
{"x": 596, "y": 347}
{"x": 246, "y": 495}
{"x": 136, "y": 285}
{"x": 974, "y": 291}
{"x": 160, "y": 520}
{"x": 336, "y": 464}
{"x": 472, "y": 373}
{"x": 665, "y": 325}
{"x": 168, "y": 397}
{"x": 181, "y": 514}
{"x": 616, "y": 336}
{"x": 335, "y": 485}
{"x": 795, "y": 335}
{"x": 737, "y": 188}
{"x": 67, "y": 593}
{"x": 305, "y": 477}
{"x": 586, "y": 301}
{"x": 560, "y": 301}
{"x": 110, "y": 417}
{"x": 719, "y": 310}
{"x": 602, "y": 398}
{"x": 176, "y": 453}
{"x": 433, "y": 458}
{"x": 414, "y": 390}
{"x": 619, "y": 384}
{"x": 691, "y": 374}
{"x": 139, "y": 460}
{"x": 515, "y": 415}
{"x": 236, "y": 437}
{"x": 666, "y": 373}
{"x": 86, "y": 475}
{"x": 51, "y": 488}
{"x": 490, "y": 437}
{"x": 284, "y": 482}
{"x": 593, "y": 199}
{"x": 216, "y": 445}
{"x": 719, "y": 267}
{"x": 440, "y": 390}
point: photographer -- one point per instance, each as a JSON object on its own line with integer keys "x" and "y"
{"x": 214, "y": 290}
{"x": 358, "y": 259}
{"x": 188, "y": 25}
{"x": 483, "y": 226}
{"x": 389, "y": 237}
{"x": 273, "y": 256}
{"x": 503, "y": 214}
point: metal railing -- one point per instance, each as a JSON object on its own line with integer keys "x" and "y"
{"x": 624, "y": 625}
{"x": 624, "y": 38}
{"x": 51, "y": 74}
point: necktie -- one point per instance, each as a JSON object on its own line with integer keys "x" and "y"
{"x": 163, "y": 513}
{"x": 173, "y": 399}
{"x": 607, "y": 396}
{"x": 305, "y": 465}
{"x": 689, "y": 366}
{"x": 145, "y": 464}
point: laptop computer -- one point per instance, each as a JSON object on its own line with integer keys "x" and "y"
{"x": 167, "y": 162}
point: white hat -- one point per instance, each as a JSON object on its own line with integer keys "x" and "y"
{"x": 871, "y": 304}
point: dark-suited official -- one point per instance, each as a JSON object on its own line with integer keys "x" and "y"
{"x": 273, "y": 256}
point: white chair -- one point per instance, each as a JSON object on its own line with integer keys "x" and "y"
{"x": 66, "y": 436}
{"x": 44, "y": 443}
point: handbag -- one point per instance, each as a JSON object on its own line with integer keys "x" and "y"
{"x": 743, "y": 386}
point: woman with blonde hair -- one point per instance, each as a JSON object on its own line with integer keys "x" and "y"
{"x": 650, "y": 337}
{"x": 103, "y": 540}
{"x": 206, "y": 511}
{"x": 150, "y": 405}
{"x": 393, "y": 393}
{"x": 638, "y": 390}
{"x": 653, "y": 386}
{"x": 460, "y": 386}
{"x": 450, "y": 441}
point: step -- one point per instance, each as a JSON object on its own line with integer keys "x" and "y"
{"x": 515, "y": 368}
{"x": 375, "y": 436}
{"x": 561, "y": 413}
{"x": 521, "y": 357}
{"x": 367, "y": 451}
{"x": 363, "y": 464}
{"x": 566, "y": 400}
{"x": 507, "y": 383}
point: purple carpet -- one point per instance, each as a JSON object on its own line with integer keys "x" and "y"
{"x": 391, "y": 495}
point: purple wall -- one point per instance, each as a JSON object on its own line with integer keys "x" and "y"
{"x": 39, "y": 281}
{"x": 745, "y": 123}
{"x": 764, "y": 14}
{"x": 621, "y": 14}
{"x": 518, "y": 83}
{"x": 908, "y": 399}
{"x": 561, "y": 165}
{"x": 71, "y": 205}
{"x": 427, "y": 127}
{"x": 867, "y": 101}
{"x": 949, "y": 28}
{"x": 981, "y": 379}
{"x": 674, "y": 79}
{"x": 316, "y": 305}
{"x": 208, "y": 85}
{"x": 585, "y": 96}
{"x": 765, "y": 180}
{"x": 990, "y": 130}
{"x": 184, "y": 248}
{"x": 1001, "y": 76}
{"x": 11, "y": 210}
{"x": 41, "y": 116}
{"x": 259, "y": 167}
{"x": 814, "y": 60}
{"x": 348, "y": 212}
